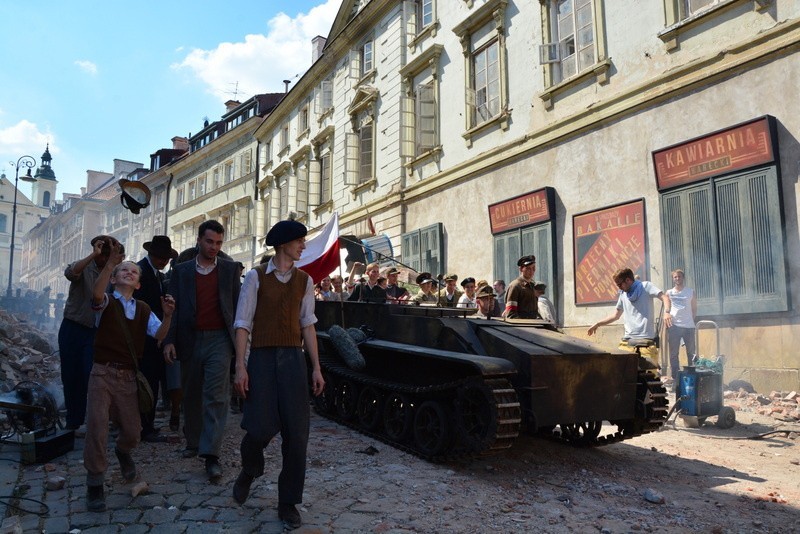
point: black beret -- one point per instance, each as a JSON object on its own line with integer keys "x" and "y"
{"x": 467, "y": 280}
{"x": 284, "y": 232}
{"x": 526, "y": 260}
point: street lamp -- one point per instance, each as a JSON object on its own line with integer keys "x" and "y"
{"x": 29, "y": 162}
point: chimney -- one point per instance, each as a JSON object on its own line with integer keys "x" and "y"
{"x": 230, "y": 105}
{"x": 286, "y": 86}
{"x": 180, "y": 143}
{"x": 317, "y": 44}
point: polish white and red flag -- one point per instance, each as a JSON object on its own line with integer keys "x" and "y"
{"x": 321, "y": 256}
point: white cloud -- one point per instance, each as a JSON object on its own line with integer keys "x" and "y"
{"x": 23, "y": 138}
{"x": 262, "y": 62}
{"x": 86, "y": 66}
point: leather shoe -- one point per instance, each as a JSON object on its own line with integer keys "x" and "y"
{"x": 95, "y": 499}
{"x": 288, "y": 514}
{"x": 126, "y": 465}
{"x": 189, "y": 452}
{"x": 213, "y": 469}
{"x": 241, "y": 488}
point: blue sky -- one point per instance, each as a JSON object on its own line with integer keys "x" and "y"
{"x": 105, "y": 80}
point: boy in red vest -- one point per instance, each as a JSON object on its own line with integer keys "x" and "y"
{"x": 112, "y": 384}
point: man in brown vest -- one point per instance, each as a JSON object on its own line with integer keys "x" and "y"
{"x": 122, "y": 322}
{"x": 276, "y": 309}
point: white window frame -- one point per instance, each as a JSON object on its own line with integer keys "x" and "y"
{"x": 423, "y": 70}
{"x": 475, "y": 40}
{"x": 556, "y": 50}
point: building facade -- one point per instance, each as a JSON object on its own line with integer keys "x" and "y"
{"x": 593, "y": 135}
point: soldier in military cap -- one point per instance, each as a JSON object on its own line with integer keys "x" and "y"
{"x": 449, "y": 294}
{"x": 521, "y": 300}
{"x": 485, "y": 299}
{"x": 394, "y": 292}
{"x": 426, "y": 294}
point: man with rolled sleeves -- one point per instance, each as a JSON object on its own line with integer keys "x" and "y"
{"x": 449, "y": 294}
{"x": 77, "y": 331}
{"x": 521, "y": 299}
{"x": 276, "y": 311}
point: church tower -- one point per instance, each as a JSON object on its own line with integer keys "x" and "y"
{"x": 44, "y": 188}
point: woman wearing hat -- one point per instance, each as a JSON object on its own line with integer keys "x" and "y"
{"x": 468, "y": 300}
{"x": 426, "y": 294}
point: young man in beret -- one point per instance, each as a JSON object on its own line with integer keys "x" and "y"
{"x": 201, "y": 336}
{"x": 276, "y": 311}
{"x": 449, "y": 294}
{"x": 76, "y": 335}
{"x": 467, "y": 300}
{"x": 521, "y": 301}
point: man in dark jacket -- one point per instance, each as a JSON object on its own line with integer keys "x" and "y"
{"x": 151, "y": 289}
{"x": 201, "y": 336}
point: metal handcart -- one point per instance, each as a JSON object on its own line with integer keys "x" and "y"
{"x": 700, "y": 388}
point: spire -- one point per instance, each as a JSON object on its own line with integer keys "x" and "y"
{"x": 45, "y": 172}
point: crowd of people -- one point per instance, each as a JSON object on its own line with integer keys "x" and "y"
{"x": 200, "y": 328}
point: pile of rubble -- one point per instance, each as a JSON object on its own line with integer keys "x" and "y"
{"x": 779, "y": 405}
{"x": 27, "y": 353}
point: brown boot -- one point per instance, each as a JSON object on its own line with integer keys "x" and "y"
{"x": 175, "y": 398}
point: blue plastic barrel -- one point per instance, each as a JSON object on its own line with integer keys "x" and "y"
{"x": 687, "y": 387}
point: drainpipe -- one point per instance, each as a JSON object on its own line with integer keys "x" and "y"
{"x": 255, "y": 200}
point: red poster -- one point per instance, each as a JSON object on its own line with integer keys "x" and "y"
{"x": 605, "y": 241}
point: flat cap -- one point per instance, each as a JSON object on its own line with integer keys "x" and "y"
{"x": 392, "y": 270}
{"x": 284, "y": 232}
{"x": 526, "y": 260}
{"x": 485, "y": 291}
{"x": 450, "y": 276}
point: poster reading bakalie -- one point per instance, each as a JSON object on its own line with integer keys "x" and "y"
{"x": 604, "y": 241}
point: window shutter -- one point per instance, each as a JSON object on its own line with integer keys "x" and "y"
{"x": 549, "y": 53}
{"x": 753, "y": 269}
{"x": 506, "y": 253}
{"x": 426, "y": 117}
{"x": 690, "y": 243}
{"x": 410, "y": 250}
{"x": 314, "y": 183}
{"x": 319, "y": 107}
{"x": 431, "y": 249}
{"x": 407, "y": 127}
{"x": 355, "y": 65}
{"x": 352, "y": 160}
{"x": 301, "y": 176}
{"x": 410, "y": 18}
{"x": 471, "y": 102}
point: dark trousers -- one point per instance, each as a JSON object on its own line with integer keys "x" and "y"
{"x": 277, "y": 402}
{"x": 75, "y": 349}
{"x": 153, "y": 368}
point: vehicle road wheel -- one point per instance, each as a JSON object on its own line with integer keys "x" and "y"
{"x": 397, "y": 417}
{"x": 345, "y": 399}
{"x": 369, "y": 409}
{"x": 476, "y": 417}
{"x": 431, "y": 429}
{"x": 581, "y": 433}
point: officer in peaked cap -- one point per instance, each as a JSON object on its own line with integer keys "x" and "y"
{"x": 449, "y": 294}
{"x": 426, "y": 294}
{"x": 485, "y": 300}
{"x": 521, "y": 300}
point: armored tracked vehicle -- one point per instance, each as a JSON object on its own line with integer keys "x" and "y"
{"x": 442, "y": 384}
